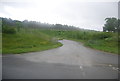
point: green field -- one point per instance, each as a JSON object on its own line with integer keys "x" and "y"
{"x": 27, "y": 41}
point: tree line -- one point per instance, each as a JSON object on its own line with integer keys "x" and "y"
{"x": 12, "y": 26}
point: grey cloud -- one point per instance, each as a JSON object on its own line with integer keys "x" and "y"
{"x": 82, "y": 14}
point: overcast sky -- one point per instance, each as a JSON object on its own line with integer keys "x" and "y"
{"x": 81, "y": 13}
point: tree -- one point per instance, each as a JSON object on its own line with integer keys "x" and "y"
{"x": 18, "y": 25}
{"x": 118, "y": 25}
{"x": 111, "y": 25}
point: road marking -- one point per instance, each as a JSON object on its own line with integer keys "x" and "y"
{"x": 114, "y": 68}
{"x": 18, "y": 54}
{"x": 110, "y": 65}
{"x": 83, "y": 72}
{"x": 117, "y": 68}
{"x": 81, "y": 67}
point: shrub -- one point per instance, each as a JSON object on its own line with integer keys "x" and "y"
{"x": 102, "y": 35}
{"x": 9, "y": 30}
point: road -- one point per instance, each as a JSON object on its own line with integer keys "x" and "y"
{"x": 0, "y": 66}
{"x": 71, "y": 61}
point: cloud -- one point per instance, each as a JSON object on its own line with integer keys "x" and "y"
{"x": 88, "y": 15}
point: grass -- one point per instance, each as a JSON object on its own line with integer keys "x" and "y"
{"x": 104, "y": 41}
{"x": 106, "y": 46}
{"x": 27, "y": 42}
{"x": 37, "y": 40}
{"x": 111, "y": 47}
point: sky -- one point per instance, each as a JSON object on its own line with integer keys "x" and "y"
{"x": 87, "y": 14}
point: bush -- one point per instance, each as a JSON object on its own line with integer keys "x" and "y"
{"x": 114, "y": 38}
{"x": 9, "y": 30}
{"x": 102, "y": 35}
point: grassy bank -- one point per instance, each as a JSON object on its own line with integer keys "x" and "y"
{"x": 104, "y": 41}
{"x": 27, "y": 41}
{"x": 37, "y": 40}
{"x": 103, "y": 45}
{"x": 107, "y": 42}
{"x": 27, "y": 36}
{"x": 111, "y": 47}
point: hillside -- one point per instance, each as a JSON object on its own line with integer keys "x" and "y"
{"x": 27, "y": 41}
{"x": 28, "y": 36}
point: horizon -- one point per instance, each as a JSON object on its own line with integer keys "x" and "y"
{"x": 52, "y": 24}
{"x": 74, "y": 13}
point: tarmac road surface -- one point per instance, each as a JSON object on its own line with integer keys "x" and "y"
{"x": 71, "y": 61}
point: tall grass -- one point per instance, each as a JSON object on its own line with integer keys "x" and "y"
{"x": 105, "y": 41}
{"x": 40, "y": 39}
{"x": 27, "y": 41}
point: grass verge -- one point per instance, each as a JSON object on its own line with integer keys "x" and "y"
{"x": 105, "y": 46}
{"x": 27, "y": 42}
{"x": 102, "y": 45}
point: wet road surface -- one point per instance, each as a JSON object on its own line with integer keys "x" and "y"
{"x": 71, "y": 61}
{"x": 0, "y": 66}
